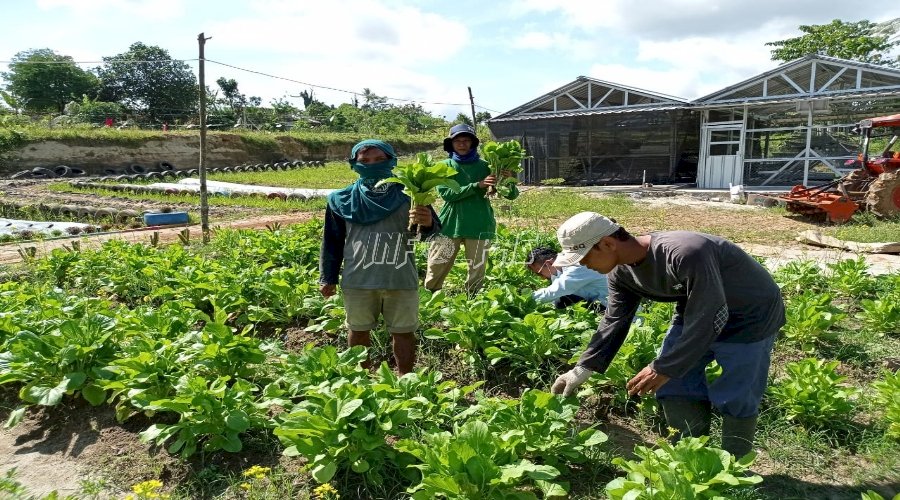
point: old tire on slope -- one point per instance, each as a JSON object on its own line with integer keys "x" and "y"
{"x": 62, "y": 171}
{"x": 883, "y": 198}
{"x": 42, "y": 173}
{"x": 858, "y": 181}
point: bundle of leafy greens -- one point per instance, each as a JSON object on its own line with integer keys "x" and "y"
{"x": 421, "y": 179}
{"x": 503, "y": 156}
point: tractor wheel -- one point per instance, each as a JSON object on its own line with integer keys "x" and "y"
{"x": 883, "y": 198}
{"x": 858, "y": 180}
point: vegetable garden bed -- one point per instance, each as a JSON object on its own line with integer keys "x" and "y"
{"x": 190, "y": 344}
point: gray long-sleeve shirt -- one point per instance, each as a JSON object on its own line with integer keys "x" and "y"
{"x": 374, "y": 256}
{"x": 722, "y": 295}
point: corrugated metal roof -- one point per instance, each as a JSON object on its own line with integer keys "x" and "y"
{"x": 578, "y": 82}
{"x": 789, "y": 99}
{"x": 589, "y": 112}
{"x": 797, "y": 64}
{"x": 697, "y": 106}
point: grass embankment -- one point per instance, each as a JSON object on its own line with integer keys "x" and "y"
{"x": 14, "y": 137}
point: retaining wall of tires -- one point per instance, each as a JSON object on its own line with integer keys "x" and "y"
{"x": 98, "y": 157}
{"x": 92, "y": 213}
{"x": 189, "y": 184}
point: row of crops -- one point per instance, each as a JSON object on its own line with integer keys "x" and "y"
{"x": 189, "y": 338}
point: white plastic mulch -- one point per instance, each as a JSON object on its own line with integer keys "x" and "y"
{"x": 11, "y": 226}
{"x": 228, "y": 188}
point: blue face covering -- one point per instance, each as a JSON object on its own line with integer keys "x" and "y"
{"x": 361, "y": 202}
{"x": 380, "y": 170}
{"x": 466, "y": 158}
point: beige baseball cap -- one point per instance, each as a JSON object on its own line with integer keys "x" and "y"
{"x": 578, "y": 234}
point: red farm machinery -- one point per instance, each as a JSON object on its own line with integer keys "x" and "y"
{"x": 874, "y": 184}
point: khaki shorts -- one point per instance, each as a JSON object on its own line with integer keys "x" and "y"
{"x": 400, "y": 309}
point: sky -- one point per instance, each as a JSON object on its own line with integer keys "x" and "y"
{"x": 430, "y": 52}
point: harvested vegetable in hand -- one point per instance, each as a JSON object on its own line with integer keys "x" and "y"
{"x": 503, "y": 156}
{"x": 420, "y": 180}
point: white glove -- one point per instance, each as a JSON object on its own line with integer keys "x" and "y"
{"x": 567, "y": 382}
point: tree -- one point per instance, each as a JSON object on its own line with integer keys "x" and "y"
{"x": 42, "y": 80}
{"x": 14, "y": 103}
{"x": 374, "y": 101}
{"x": 308, "y": 97}
{"x": 861, "y": 41}
{"x": 464, "y": 118}
{"x": 147, "y": 80}
{"x": 230, "y": 90}
{"x": 90, "y": 111}
{"x": 237, "y": 101}
{"x": 482, "y": 116}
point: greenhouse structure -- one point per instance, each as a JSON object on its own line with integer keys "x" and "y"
{"x": 793, "y": 124}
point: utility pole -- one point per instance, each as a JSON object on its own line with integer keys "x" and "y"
{"x": 204, "y": 199}
{"x": 472, "y": 102}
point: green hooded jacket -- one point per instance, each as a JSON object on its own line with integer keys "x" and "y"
{"x": 467, "y": 213}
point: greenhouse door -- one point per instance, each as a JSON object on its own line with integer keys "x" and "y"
{"x": 723, "y": 163}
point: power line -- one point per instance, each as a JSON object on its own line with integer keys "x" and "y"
{"x": 99, "y": 62}
{"x": 353, "y": 92}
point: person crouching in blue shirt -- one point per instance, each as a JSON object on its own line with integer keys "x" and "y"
{"x": 569, "y": 284}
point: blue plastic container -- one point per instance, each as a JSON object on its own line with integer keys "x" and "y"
{"x": 163, "y": 219}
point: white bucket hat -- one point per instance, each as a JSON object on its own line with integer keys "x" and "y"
{"x": 578, "y": 234}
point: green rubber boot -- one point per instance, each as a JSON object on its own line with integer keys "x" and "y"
{"x": 738, "y": 434}
{"x": 688, "y": 417}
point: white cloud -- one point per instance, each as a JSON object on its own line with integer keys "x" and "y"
{"x": 688, "y": 68}
{"x": 673, "y": 19}
{"x": 381, "y": 47}
{"x": 142, "y": 10}
{"x": 538, "y": 40}
{"x": 401, "y": 35}
{"x": 675, "y": 82}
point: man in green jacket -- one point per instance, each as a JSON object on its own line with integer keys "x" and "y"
{"x": 467, "y": 217}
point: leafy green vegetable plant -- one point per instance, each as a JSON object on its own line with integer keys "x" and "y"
{"x": 538, "y": 426}
{"x": 341, "y": 426}
{"x": 881, "y": 315}
{"x": 809, "y": 317}
{"x": 800, "y": 276}
{"x": 813, "y": 394}
{"x": 503, "y": 156}
{"x": 887, "y": 396}
{"x": 212, "y": 414}
{"x": 61, "y": 355}
{"x": 851, "y": 277}
{"x": 471, "y": 462}
{"x": 421, "y": 179}
{"x": 685, "y": 470}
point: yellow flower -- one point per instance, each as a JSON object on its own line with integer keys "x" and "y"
{"x": 246, "y": 486}
{"x": 326, "y": 492}
{"x": 257, "y": 472}
{"x": 147, "y": 490}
